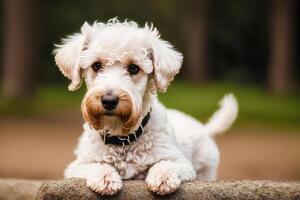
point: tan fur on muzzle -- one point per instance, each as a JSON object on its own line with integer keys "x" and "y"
{"x": 93, "y": 111}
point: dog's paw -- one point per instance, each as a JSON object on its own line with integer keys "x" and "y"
{"x": 108, "y": 182}
{"x": 162, "y": 181}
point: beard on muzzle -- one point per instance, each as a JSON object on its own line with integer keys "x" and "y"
{"x": 92, "y": 111}
{"x": 126, "y": 112}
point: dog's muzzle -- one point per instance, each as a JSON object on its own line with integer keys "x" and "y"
{"x": 98, "y": 104}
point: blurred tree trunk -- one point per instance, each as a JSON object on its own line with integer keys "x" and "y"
{"x": 21, "y": 48}
{"x": 195, "y": 32}
{"x": 281, "y": 52}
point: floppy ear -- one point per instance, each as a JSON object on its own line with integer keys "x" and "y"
{"x": 167, "y": 63}
{"x": 67, "y": 55}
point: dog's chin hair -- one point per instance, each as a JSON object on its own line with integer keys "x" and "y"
{"x": 113, "y": 124}
{"x": 118, "y": 122}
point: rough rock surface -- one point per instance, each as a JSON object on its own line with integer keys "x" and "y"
{"x": 14, "y": 189}
{"x": 72, "y": 189}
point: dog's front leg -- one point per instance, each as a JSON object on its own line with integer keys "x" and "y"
{"x": 102, "y": 178}
{"x": 166, "y": 176}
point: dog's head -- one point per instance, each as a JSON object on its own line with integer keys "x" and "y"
{"x": 122, "y": 64}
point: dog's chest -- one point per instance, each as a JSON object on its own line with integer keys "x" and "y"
{"x": 130, "y": 161}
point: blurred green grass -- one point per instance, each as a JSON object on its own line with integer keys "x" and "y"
{"x": 255, "y": 104}
{"x": 200, "y": 101}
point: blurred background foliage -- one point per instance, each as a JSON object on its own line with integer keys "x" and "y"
{"x": 246, "y": 47}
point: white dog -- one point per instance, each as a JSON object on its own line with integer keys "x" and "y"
{"x": 128, "y": 133}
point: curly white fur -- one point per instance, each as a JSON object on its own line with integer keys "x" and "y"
{"x": 174, "y": 147}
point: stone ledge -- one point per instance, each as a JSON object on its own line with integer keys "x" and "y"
{"x": 72, "y": 189}
{"x": 16, "y": 189}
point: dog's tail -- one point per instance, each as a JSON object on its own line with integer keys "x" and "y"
{"x": 224, "y": 117}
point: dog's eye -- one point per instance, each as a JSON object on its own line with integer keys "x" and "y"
{"x": 97, "y": 66}
{"x": 133, "y": 69}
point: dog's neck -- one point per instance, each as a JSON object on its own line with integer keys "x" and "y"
{"x": 128, "y": 139}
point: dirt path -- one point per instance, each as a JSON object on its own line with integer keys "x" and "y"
{"x": 41, "y": 148}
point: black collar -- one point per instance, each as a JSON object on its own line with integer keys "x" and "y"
{"x": 126, "y": 140}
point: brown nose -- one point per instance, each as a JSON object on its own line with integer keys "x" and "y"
{"x": 109, "y": 101}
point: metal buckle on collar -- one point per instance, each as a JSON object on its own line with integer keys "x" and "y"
{"x": 135, "y": 137}
{"x": 125, "y": 139}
